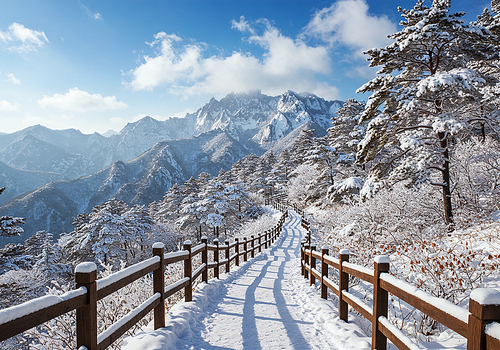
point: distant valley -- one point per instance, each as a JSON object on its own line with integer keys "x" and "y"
{"x": 53, "y": 175}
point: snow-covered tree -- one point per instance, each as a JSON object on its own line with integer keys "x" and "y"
{"x": 301, "y": 187}
{"x": 346, "y": 132}
{"x": 9, "y": 226}
{"x": 110, "y": 233}
{"x": 426, "y": 90}
{"x": 284, "y": 167}
{"x": 302, "y": 146}
{"x": 476, "y": 169}
{"x": 167, "y": 209}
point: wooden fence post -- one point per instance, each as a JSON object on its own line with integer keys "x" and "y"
{"x": 265, "y": 239}
{"x": 302, "y": 256}
{"x": 237, "y": 250}
{"x": 188, "y": 272}
{"x": 204, "y": 259}
{"x": 324, "y": 272}
{"x": 216, "y": 258}
{"x": 252, "y": 245}
{"x": 312, "y": 280}
{"x": 86, "y": 316}
{"x": 245, "y": 246}
{"x": 306, "y": 260}
{"x": 260, "y": 242}
{"x": 484, "y": 308}
{"x": 343, "y": 285}
{"x": 227, "y": 255}
{"x": 380, "y": 302}
{"x": 159, "y": 285}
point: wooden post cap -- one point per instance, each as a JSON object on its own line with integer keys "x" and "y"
{"x": 158, "y": 245}
{"x": 85, "y": 272}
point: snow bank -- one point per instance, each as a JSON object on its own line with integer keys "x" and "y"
{"x": 181, "y": 320}
{"x": 315, "y": 318}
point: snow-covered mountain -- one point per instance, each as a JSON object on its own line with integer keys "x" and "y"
{"x": 142, "y": 180}
{"x": 18, "y": 181}
{"x": 31, "y": 153}
{"x": 249, "y": 118}
{"x": 264, "y": 119}
{"x": 146, "y": 157}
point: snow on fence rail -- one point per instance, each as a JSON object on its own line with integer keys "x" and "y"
{"x": 480, "y": 325}
{"x": 19, "y": 318}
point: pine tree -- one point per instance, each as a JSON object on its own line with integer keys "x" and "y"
{"x": 346, "y": 132}
{"x": 302, "y": 146}
{"x": 110, "y": 233}
{"x": 9, "y": 226}
{"x": 426, "y": 89}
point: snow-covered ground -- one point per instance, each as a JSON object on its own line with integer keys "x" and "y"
{"x": 263, "y": 304}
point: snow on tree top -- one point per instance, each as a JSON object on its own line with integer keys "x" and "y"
{"x": 459, "y": 77}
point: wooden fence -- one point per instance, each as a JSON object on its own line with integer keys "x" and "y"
{"x": 480, "y": 325}
{"x": 89, "y": 289}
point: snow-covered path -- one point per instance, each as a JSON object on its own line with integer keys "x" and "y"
{"x": 265, "y": 304}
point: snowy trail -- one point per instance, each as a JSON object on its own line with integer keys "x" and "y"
{"x": 265, "y": 304}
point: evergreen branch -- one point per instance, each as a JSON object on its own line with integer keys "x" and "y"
{"x": 392, "y": 161}
{"x": 414, "y": 128}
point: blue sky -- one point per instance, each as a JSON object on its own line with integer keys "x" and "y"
{"x": 97, "y": 65}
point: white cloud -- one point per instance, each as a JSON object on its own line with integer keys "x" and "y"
{"x": 163, "y": 117}
{"x": 242, "y": 25}
{"x": 117, "y": 121}
{"x": 95, "y": 15}
{"x": 77, "y": 100}
{"x": 12, "y": 79}
{"x": 286, "y": 64}
{"x": 6, "y": 106}
{"x": 181, "y": 114}
{"x": 348, "y": 22}
{"x": 29, "y": 39}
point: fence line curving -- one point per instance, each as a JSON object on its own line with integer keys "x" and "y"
{"x": 480, "y": 324}
{"x": 89, "y": 289}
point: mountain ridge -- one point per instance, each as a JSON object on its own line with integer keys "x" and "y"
{"x": 141, "y": 162}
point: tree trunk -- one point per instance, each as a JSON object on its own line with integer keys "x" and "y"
{"x": 448, "y": 212}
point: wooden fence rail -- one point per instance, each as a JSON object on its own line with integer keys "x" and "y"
{"x": 480, "y": 325}
{"x": 89, "y": 289}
